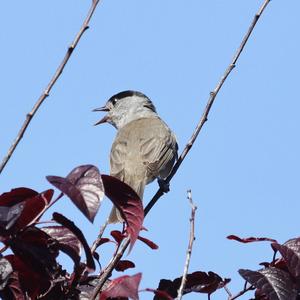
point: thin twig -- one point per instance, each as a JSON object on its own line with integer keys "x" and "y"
{"x": 209, "y": 104}
{"x": 98, "y": 240}
{"x": 106, "y": 273}
{"x": 241, "y": 293}
{"x": 54, "y": 201}
{"x": 190, "y": 246}
{"x": 53, "y": 80}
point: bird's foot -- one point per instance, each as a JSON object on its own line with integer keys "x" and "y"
{"x": 164, "y": 186}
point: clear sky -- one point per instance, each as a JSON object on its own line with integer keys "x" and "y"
{"x": 243, "y": 169}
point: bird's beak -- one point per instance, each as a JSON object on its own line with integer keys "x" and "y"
{"x": 105, "y": 118}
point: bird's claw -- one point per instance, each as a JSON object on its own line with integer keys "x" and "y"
{"x": 164, "y": 186}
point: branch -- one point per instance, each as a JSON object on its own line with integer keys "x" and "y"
{"x": 98, "y": 240}
{"x": 190, "y": 246}
{"x": 241, "y": 293}
{"x": 106, "y": 273}
{"x": 53, "y": 80}
{"x": 209, "y": 104}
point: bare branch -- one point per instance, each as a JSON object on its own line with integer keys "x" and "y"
{"x": 106, "y": 273}
{"x": 190, "y": 246}
{"x": 53, "y": 80}
{"x": 241, "y": 293}
{"x": 209, "y": 104}
{"x": 98, "y": 240}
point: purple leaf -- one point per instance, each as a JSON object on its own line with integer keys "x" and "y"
{"x": 68, "y": 241}
{"x": 290, "y": 251}
{"x": 16, "y": 196}
{"x": 124, "y": 265}
{"x": 25, "y": 280}
{"x": 22, "y": 207}
{"x": 250, "y": 239}
{"x": 117, "y": 235}
{"x": 77, "y": 232}
{"x": 84, "y": 187}
{"x": 37, "y": 250}
{"x": 274, "y": 283}
{"x": 199, "y": 282}
{"x": 128, "y": 203}
{"x": 125, "y": 286}
{"x": 34, "y": 209}
{"x": 149, "y": 243}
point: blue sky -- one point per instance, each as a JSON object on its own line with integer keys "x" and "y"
{"x": 243, "y": 169}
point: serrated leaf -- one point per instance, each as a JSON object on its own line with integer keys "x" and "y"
{"x": 274, "y": 283}
{"x": 84, "y": 187}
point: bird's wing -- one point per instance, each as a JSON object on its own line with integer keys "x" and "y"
{"x": 143, "y": 150}
{"x": 158, "y": 150}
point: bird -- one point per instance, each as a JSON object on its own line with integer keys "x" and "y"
{"x": 144, "y": 148}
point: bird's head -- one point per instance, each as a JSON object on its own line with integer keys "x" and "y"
{"x": 125, "y": 107}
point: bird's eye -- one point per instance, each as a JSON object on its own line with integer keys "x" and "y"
{"x": 114, "y": 101}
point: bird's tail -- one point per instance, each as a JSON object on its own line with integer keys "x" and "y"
{"x": 115, "y": 215}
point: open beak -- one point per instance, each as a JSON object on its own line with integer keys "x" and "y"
{"x": 105, "y": 118}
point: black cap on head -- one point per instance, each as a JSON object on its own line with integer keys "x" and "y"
{"x": 130, "y": 93}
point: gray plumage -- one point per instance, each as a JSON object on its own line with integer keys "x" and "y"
{"x": 144, "y": 148}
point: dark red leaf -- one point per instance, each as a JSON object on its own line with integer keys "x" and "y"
{"x": 26, "y": 280}
{"x": 104, "y": 241}
{"x": 199, "y": 282}
{"x": 117, "y": 235}
{"x": 22, "y": 208}
{"x": 125, "y": 286}
{"x": 278, "y": 263}
{"x": 67, "y": 240}
{"x": 250, "y": 239}
{"x": 124, "y": 265}
{"x": 202, "y": 282}
{"x": 274, "y": 283}
{"x": 160, "y": 295}
{"x": 33, "y": 209}
{"x": 149, "y": 243}
{"x": 290, "y": 251}
{"x": 16, "y": 196}
{"x": 77, "y": 232}
{"x": 37, "y": 250}
{"x": 128, "y": 203}
{"x": 84, "y": 187}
